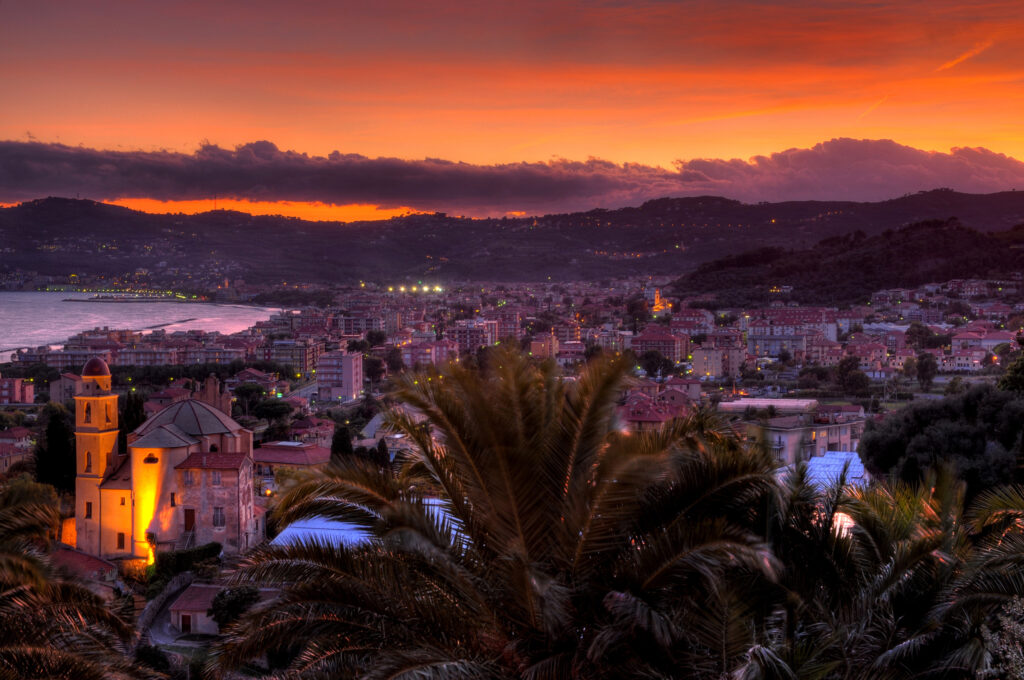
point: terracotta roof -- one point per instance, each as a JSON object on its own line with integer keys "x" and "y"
{"x": 15, "y": 433}
{"x": 196, "y": 598}
{"x": 95, "y": 366}
{"x": 81, "y": 564}
{"x": 121, "y": 478}
{"x": 291, "y": 453}
{"x": 212, "y": 461}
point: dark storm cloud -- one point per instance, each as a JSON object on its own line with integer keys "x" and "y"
{"x": 839, "y": 169}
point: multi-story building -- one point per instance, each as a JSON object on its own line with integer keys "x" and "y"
{"x": 801, "y": 436}
{"x": 432, "y": 353}
{"x": 472, "y": 334}
{"x": 301, "y": 355}
{"x": 715, "y": 363}
{"x": 658, "y": 339}
{"x": 339, "y": 376}
{"x": 16, "y": 391}
{"x": 145, "y": 355}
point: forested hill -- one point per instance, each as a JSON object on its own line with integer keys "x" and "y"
{"x": 846, "y": 269}
{"x": 667, "y": 236}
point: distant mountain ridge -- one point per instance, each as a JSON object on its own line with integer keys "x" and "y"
{"x": 669, "y": 236}
{"x": 841, "y": 270}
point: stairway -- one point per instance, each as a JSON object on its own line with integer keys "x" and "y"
{"x": 186, "y": 540}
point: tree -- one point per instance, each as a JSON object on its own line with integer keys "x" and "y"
{"x": 955, "y": 386}
{"x": 917, "y": 335}
{"x": 857, "y": 383}
{"x": 393, "y": 359}
{"x": 373, "y": 368}
{"x": 869, "y": 592}
{"x": 528, "y": 538}
{"x": 1013, "y": 379}
{"x": 341, "y": 443}
{"x": 927, "y": 369}
{"x": 55, "y": 452}
{"x": 359, "y": 346}
{"x": 272, "y": 409}
{"x": 655, "y": 363}
{"x": 133, "y": 414}
{"x": 248, "y": 394}
{"x": 910, "y": 368}
{"x": 50, "y": 627}
{"x": 229, "y": 604}
{"x": 976, "y": 432}
{"x": 843, "y": 369}
{"x": 381, "y": 455}
{"x": 376, "y": 338}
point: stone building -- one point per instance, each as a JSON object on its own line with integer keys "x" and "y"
{"x": 186, "y": 479}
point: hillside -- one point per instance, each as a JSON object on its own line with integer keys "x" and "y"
{"x": 663, "y": 237}
{"x": 845, "y": 269}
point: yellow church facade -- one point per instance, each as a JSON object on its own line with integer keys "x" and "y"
{"x": 186, "y": 479}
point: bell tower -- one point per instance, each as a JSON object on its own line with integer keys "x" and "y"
{"x": 95, "y": 450}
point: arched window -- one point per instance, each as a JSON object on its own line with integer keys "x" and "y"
{"x": 88, "y": 461}
{"x": 88, "y": 413}
{"x": 109, "y": 419}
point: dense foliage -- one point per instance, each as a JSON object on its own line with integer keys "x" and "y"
{"x": 526, "y": 536}
{"x": 977, "y": 432}
{"x": 50, "y": 627}
{"x": 839, "y": 269}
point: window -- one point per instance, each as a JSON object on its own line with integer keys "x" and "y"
{"x": 120, "y": 541}
{"x": 172, "y": 500}
{"x": 88, "y": 413}
{"x": 218, "y": 518}
{"x": 215, "y": 477}
{"x": 188, "y": 478}
{"x": 88, "y": 461}
{"x": 122, "y": 500}
{"x": 109, "y": 419}
{"x": 88, "y": 509}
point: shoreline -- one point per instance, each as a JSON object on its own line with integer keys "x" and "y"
{"x": 235, "y": 315}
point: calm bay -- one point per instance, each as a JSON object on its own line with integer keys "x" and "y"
{"x": 30, "y": 319}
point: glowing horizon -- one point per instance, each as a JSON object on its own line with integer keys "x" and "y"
{"x": 639, "y": 82}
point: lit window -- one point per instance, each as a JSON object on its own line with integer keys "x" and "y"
{"x": 218, "y": 518}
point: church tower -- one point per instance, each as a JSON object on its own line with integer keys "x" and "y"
{"x": 95, "y": 450}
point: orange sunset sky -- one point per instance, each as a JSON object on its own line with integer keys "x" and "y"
{"x": 496, "y": 83}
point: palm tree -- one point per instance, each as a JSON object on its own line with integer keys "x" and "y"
{"x": 891, "y": 581}
{"x": 50, "y": 627}
{"x": 524, "y": 536}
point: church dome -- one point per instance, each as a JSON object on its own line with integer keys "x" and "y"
{"x": 95, "y": 367}
{"x": 192, "y": 417}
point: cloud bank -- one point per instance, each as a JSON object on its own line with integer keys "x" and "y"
{"x": 840, "y": 169}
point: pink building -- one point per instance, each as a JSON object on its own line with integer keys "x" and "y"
{"x": 658, "y": 339}
{"x": 16, "y": 391}
{"x": 339, "y": 376}
{"x": 436, "y": 353}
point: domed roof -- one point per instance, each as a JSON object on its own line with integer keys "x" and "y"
{"x": 192, "y": 417}
{"x": 94, "y": 367}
